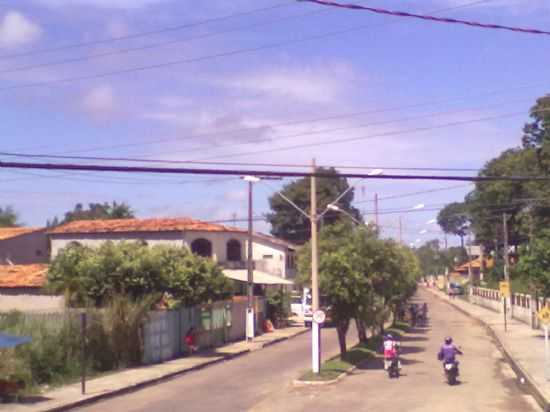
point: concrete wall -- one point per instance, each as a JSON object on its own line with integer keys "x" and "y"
{"x": 28, "y": 300}
{"x": 25, "y": 249}
{"x": 215, "y": 325}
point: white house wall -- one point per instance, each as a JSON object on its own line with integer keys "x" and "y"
{"x": 260, "y": 247}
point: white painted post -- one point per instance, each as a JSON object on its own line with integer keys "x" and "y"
{"x": 546, "y": 362}
{"x": 316, "y": 350}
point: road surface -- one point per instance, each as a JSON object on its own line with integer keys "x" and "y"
{"x": 261, "y": 381}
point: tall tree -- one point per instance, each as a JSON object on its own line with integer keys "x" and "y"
{"x": 8, "y": 217}
{"x": 536, "y": 134}
{"x": 96, "y": 211}
{"x": 289, "y": 224}
{"x": 453, "y": 219}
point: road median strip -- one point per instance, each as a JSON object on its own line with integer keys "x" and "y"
{"x": 336, "y": 368}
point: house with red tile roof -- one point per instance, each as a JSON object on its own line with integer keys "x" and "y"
{"x": 23, "y": 246}
{"x": 226, "y": 245}
{"x": 22, "y": 288}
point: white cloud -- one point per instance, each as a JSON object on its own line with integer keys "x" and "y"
{"x": 104, "y": 4}
{"x": 324, "y": 83}
{"x": 100, "y": 101}
{"x": 16, "y": 30}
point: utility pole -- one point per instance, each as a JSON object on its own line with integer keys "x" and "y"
{"x": 250, "y": 264}
{"x": 316, "y": 330}
{"x": 506, "y": 262}
{"x": 400, "y": 231}
{"x": 376, "y": 210}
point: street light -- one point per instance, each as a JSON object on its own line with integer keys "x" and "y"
{"x": 419, "y": 206}
{"x": 423, "y": 231}
{"x": 250, "y": 263}
{"x": 431, "y": 222}
{"x": 335, "y": 208}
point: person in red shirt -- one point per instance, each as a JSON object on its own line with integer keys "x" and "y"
{"x": 190, "y": 341}
{"x": 391, "y": 347}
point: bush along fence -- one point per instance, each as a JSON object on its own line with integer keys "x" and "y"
{"x": 523, "y": 307}
{"x": 123, "y": 335}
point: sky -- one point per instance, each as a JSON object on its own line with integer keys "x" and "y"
{"x": 261, "y": 81}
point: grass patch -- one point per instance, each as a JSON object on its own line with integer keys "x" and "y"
{"x": 333, "y": 367}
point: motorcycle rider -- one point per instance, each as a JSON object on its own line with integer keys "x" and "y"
{"x": 391, "y": 347}
{"x": 448, "y": 352}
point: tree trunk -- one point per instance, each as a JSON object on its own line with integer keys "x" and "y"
{"x": 342, "y": 329}
{"x": 361, "y": 330}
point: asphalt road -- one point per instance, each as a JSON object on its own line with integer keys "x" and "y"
{"x": 487, "y": 381}
{"x": 261, "y": 381}
{"x": 235, "y": 385}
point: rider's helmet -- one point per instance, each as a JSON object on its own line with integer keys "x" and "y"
{"x": 448, "y": 340}
{"x": 389, "y": 336}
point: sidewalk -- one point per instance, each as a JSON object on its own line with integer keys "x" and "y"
{"x": 523, "y": 346}
{"x": 128, "y": 380}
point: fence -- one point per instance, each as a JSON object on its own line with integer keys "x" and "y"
{"x": 215, "y": 324}
{"x": 523, "y": 307}
{"x": 164, "y": 331}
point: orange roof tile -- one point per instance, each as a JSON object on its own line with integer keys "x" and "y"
{"x": 141, "y": 225}
{"x": 476, "y": 264}
{"x": 10, "y": 232}
{"x": 23, "y": 276}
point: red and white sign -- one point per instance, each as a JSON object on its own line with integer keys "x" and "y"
{"x": 319, "y": 316}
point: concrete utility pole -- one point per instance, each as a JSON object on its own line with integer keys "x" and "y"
{"x": 376, "y": 210}
{"x": 250, "y": 263}
{"x": 506, "y": 263}
{"x": 316, "y": 331}
{"x": 400, "y": 231}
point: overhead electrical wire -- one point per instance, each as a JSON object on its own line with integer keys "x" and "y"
{"x": 267, "y": 173}
{"x": 156, "y": 45}
{"x": 177, "y": 62}
{"x": 300, "y": 122}
{"x": 447, "y": 20}
{"x": 143, "y": 33}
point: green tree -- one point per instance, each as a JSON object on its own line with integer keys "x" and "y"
{"x": 8, "y": 217}
{"x": 95, "y": 211}
{"x": 94, "y": 276}
{"x": 289, "y": 224}
{"x": 453, "y": 219}
{"x": 534, "y": 264}
{"x": 536, "y": 134}
{"x": 342, "y": 278}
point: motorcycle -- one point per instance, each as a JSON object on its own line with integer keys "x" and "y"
{"x": 451, "y": 372}
{"x": 393, "y": 369}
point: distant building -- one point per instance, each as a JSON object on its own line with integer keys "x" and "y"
{"x": 22, "y": 288}
{"x": 23, "y": 246}
{"x": 273, "y": 258}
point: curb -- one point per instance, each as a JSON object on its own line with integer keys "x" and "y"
{"x": 161, "y": 379}
{"x": 533, "y": 388}
{"x": 299, "y": 383}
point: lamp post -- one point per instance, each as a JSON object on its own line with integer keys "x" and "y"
{"x": 250, "y": 263}
{"x": 335, "y": 208}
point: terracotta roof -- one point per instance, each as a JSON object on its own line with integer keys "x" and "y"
{"x": 23, "y": 276}
{"x": 476, "y": 264}
{"x": 10, "y": 232}
{"x": 141, "y": 225}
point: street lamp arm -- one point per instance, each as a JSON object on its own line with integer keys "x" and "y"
{"x": 294, "y": 205}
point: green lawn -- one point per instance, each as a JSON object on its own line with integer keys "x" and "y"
{"x": 356, "y": 355}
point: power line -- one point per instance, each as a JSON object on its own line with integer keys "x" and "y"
{"x": 142, "y": 34}
{"x": 378, "y": 135}
{"x": 338, "y": 129}
{"x": 152, "y": 45}
{"x": 176, "y": 62}
{"x": 267, "y": 173}
{"x": 429, "y": 18}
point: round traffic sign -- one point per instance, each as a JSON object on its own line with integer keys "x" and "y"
{"x": 319, "y": 316}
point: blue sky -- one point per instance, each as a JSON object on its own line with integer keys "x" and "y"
{"x": 393, "y": 74}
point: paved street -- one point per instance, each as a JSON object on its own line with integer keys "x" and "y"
{"x": 235, "y": 385}
{"x": 260, "y": 382}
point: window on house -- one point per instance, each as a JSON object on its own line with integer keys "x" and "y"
{"x": 202, "y": 247}
{"x": 234, "y": 253}
{"x": 38, "y": 252}
{"x": 267, "y": 257}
